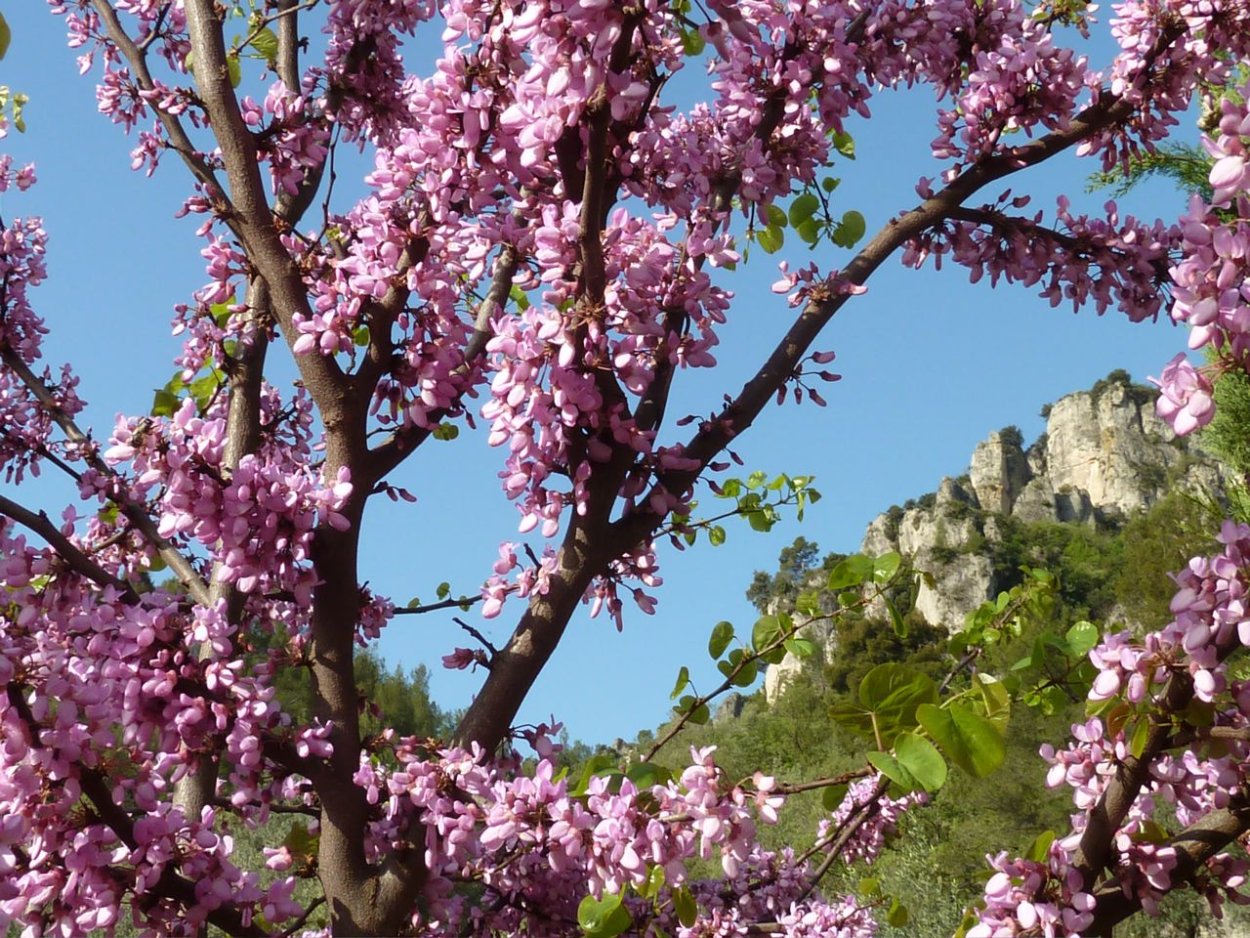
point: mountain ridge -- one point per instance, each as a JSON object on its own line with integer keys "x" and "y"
{"x": 1103, "y": 458}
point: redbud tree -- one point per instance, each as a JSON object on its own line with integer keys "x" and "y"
{"x": 535, "y": 252}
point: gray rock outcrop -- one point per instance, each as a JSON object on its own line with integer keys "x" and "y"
{"x": 1103, "y": 456}
{"x": 999, "y": 472}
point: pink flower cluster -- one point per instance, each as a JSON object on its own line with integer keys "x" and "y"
{"x": 1025, "y": 83}
{"x": 1104, "y": 261}
{"x": 1028, "y": 898}
{"x": 1211, "y": 621}
{"x": 875, "y": 816}
{"x": 258, "y": 519}
{"x": 103, "y": 710}
{"x": 26, "y": 426}
{"x": 538, "y": 847}
{"x": 1210, "y": 280}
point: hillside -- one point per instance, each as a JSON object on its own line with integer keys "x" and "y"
{"x": 1107, "y": 500}
{"x": 1102, "y": 464}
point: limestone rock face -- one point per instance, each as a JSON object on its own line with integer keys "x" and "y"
{"x": 999, "y": 472}
{"x": 1036, "y": 502}
{"x": 959, "y": 587}
{"x": 1111, "y": 447}
{"x": 1104, "y": 456}
{"x": 777, "y": 676}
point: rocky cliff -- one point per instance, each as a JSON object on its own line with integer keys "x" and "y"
{"x": 1103, "y": 457}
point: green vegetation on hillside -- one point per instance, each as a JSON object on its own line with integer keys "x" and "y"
{"x": 1112, "y": 570}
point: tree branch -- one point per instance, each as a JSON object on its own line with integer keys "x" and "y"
{"x": 1194, "y": 846}
{"x": 98, "y": 793}
{"x": 250, "y": 217}
{"x": 137, "y": 514}
{"x": 1012, "y": 224}
{"x": 70, "y": 553}
{"x": 827, "y": 299}
{"x": 403, "y": 442}
{"x": 180, "y": 142}
{"x": 245, "y": 374}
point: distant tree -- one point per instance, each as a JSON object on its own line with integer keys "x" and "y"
{"x": 859, "y": 644}
{"x": 794, "y": 565}
{"x": 1156, "y": 544}
{"x": 1228, "y": 433}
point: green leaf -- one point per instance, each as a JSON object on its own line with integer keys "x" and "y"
{"x": 833, "y": 796}
{"x": 1141, "y": 734}
{"x": 762, "y": 519}
{"x": 892, "y": 769}
{"x": 683, "y": 680}
{"x": 897, "y": 916}
{"x": 996, "y": 699}
{"x": 204, "y": 388}
{"x": 692, "y": 42}
{"x": 1039, "y": 849}
{"x": 808, "y": 603}
{"x": 889, "y": 695}
{"x": 851, "y": 571}
{"x": 360, "y": 336}
{"x": 603, "y": 918}
{"x": 234, "y": 69}
{"x": 894, "y": 687}
{"x": 808, "y": 230}
{"x": 1081, "y": 638}
{"x": 852, "y": 228}
{"x": 802, "y": 208}
{"x": 968, "y": 739}
{"x": 756, "y": 479}
{"x": 844, "y": 144}
{"x": 700, "y": 715}
{"x": 595, "y": 765}
{"x": 165, "y": 403}
{"x": 443, "y": 591}
{"x": 801, "y": 648}
{"x": 829, "y": 183}
{"x": 519, "y": 297}
{"x": 6, "y": 36}
{"x": 655, "y": 882}
{"x": 776, "y": 217}
{"x": 647, "y": 774}
{"x": 885, "y": 567}
{"x": 771, "y": 239}
{"x": 1151, "y": 832}
{"x": 716, "y": 535}
{"x": 685, "y": 906}
{"x": 920, "y": 758}
{"x": 266, "y": 43}
{"x": 896, "y": 620}
{"x": 19, "y": 103}
{"x": 722, "y": 635}
{"x": 302, "y": 843}
{"x": 747, "y": 674}
{"x": 446, "y": 431}
{"x": 868, "y": 887}
{"x": 767, "y": 631}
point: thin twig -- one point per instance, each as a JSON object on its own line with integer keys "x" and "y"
{"x": 477, "y": 635}
{"x": 460, "y": 603}
{"x": 137, "y": 514}
{"x": 299, "y": 922}
{"x": 69, "y": 552}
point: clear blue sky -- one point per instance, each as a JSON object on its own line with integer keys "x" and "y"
{"x": 930, "y": 365}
